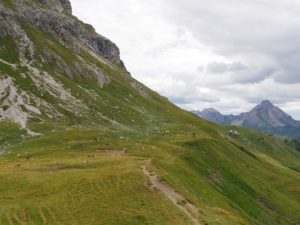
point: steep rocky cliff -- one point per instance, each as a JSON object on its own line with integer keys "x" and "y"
{"x": 55, "y": 18}
{"x": 54, "y": 67}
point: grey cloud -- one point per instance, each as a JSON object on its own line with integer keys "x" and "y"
{"x": 253, "y": 76}
{"x": 258, "y": 39}
{"x": 290, "y": 66}
{"x": 200, "y": 97}
{"x": 237, "y": 72}
{"x": 237, "y": 66}
{"x": 220, "y": 67}
{"x": 240, "y": 28}
{"x": 217, "y": 67}
{"x": 277, "y": 93}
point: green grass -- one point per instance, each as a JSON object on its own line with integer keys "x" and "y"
{"x": 51, "y": 183}
{"x": 10, "y": 133}
{"x": 8, "y": 50}
{"x": 67, "y": 176}
{"x": 47, "y": 42}
{"x": 8, "y": 4}
{"x": 47, "y": 179}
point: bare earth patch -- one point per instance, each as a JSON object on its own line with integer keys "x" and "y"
{"x": 113, "y": 152}
{"x": 176, "y": 198}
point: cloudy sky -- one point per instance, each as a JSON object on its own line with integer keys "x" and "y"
{"x": 226, "y": 54}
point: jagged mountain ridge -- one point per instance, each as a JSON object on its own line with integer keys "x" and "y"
{"x": 264, "y": 117}
{"x": 213, "y": 115}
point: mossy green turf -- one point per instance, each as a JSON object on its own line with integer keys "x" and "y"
{"x": 8, "y": 4}
{"x": 68, "y": 176}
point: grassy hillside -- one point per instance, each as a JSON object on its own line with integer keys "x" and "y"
{"x": 122, "y": 104}
{"x": 90, "y": 177}
{"x": 98, "y": 127}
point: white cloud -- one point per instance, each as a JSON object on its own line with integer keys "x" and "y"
{"x": 227, "y": 54}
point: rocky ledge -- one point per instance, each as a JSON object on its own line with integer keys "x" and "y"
{"x": 55, "y": 17}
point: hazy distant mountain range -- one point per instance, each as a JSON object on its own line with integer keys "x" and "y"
{"x": 264, "y": 117}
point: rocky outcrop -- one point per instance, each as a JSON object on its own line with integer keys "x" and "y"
{"x": 54, "y": 17}
{"x": 14, "y": 103}
{"x": 57, "y": 5}
{"x": 40, "y": 41}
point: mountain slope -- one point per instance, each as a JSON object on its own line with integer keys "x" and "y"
{"x": 99, "y": 128}
{"x": 58, "y": 72}
{"x": 264, "y": 117}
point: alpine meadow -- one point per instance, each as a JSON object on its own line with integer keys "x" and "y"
{"x": 84, "y": 143}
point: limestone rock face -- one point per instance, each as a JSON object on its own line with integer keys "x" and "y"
{"x": 57, "y": 5}
{"x": 52, "y": 65}
{"x": 55, "y": 17}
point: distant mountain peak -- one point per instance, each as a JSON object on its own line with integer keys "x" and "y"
{"x": 265, "y": 106}
{"x": 213, "y": 110}
{"x": 214, "y": 115}
{"x": 265, "y": 117}
{"x": 266, "y": 103}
